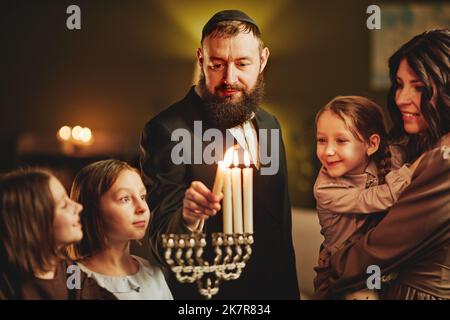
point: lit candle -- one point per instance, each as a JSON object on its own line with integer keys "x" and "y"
{"x": 237, "y": 195}
{"x": 248, "y": 194}
{"x": 223, "y": 182}
{"x": 227, "y": 203}
{"x": 218, "y": 181}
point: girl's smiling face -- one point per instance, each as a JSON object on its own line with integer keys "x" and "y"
{"x": 339, "y": 151}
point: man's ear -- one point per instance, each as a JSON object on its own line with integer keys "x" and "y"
{"x": 264, "y": 56}
{"x": 374, "y": 144}
{"x": 200, "y": 56}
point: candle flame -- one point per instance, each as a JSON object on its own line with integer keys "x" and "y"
{"x": 228, "y": 159}
{"x": 246, "y": 159}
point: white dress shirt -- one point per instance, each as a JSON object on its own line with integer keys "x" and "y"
{"x": 247, "y": 138}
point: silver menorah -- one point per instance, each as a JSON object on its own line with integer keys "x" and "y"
{"x": 184, "y": 254}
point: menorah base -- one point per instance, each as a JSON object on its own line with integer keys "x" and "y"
{"x": 184, "y": 255}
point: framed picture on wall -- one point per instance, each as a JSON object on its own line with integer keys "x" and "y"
{"x": 399, "y": 23}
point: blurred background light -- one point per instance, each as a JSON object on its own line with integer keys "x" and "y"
{"x": 64, "y": 133}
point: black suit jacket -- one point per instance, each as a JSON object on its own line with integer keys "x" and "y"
{"x": 270, "y": 273}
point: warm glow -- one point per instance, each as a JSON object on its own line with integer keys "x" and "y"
{"x": 85, "y": 135}
{"x": 236, "y": 159}
{"x": 228, "y": 159}
{"x": 64, "y": 132}
{"x": 181, "y": 12}
{"x": 76, "y": 132}
{"x": 246, "y": 158}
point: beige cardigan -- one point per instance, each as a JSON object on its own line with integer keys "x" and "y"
{"x": 343, "y": 203}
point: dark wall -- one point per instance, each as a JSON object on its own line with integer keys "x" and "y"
{"x": 132, "y": 59}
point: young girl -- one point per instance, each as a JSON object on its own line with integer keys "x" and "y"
{"x": 116, "y": 212}
{"x": 356, "y": 177}
{"x": 37, "y": 221}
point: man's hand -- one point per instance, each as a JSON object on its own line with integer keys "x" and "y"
{"x": 199, "y": 203}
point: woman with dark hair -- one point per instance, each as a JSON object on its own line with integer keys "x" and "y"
{"x": 115, "y": 213}
{"x": 413, "y": 238}
{"x": 37, "y": 221}
{"x": 419, "y": 98}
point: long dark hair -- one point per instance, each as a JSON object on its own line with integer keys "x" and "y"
{"x": 27, "y": 242}
{"x": 363, "y": 118}
{"x": 428, "y": 54}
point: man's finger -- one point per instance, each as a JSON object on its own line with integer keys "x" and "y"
{"x": 192, "y": 205}
{"x": 198, "y": 198}
{"x": 203, "y": 190}
{"x": 197, "y": 214}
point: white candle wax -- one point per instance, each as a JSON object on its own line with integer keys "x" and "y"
{"x": 248, "y": 199}
{"x": 237, "y": 196}
{"x": 218, "y": 182}
{"x": 227, "y": 209}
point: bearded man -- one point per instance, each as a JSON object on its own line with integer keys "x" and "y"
{"x": 228, "y": 97}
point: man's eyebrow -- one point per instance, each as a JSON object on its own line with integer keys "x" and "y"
{"x": 238, "y": 59}
{"x": 216, "y": 58}
{"x": 244, "y": 58}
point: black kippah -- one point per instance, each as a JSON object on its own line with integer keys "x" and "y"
{"x": 224, "y": 16}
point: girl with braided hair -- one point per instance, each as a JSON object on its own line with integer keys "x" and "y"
{"x": 361, "y": 173}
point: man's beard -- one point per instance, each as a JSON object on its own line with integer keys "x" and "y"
{"x": 225, "y": 114}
